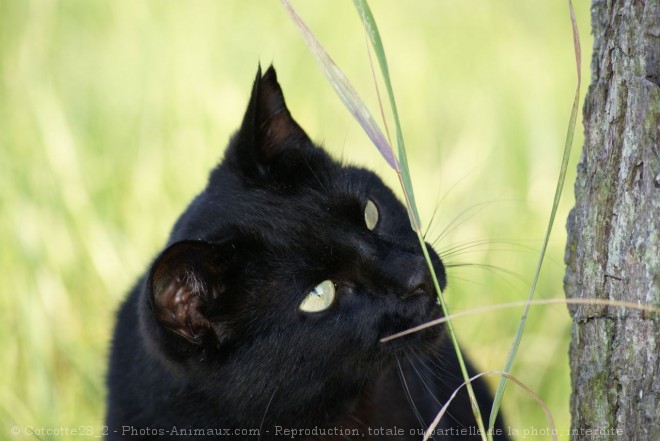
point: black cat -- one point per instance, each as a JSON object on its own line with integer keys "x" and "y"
{"x": 262, "y": 318}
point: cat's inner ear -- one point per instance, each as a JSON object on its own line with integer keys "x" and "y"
{"x": 185, "y": 282}
{"x": 268, "y": 128}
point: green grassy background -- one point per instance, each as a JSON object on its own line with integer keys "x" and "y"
{"x": 112, "y": 113}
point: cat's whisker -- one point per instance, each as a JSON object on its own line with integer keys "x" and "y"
{"x": 421, "y": 377}
{"x": 475, "y": 246}
{"x": 454, "y": 277}
{"x": 442, "y": 200}
{"x": 408, "y": 395}
{"x": 441, "y": 368}
{"x": 263, "y": 419}
{"x": 441, "y": 379}
{"x": 463, "y": 216}
{"x": 435, "y": 211}
{"x": 463, "y": 247}
{"x": 491, "y": 268}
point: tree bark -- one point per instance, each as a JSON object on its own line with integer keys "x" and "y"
{"x": 613, "y": 249}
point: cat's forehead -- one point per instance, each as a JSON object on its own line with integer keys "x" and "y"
{"x": 323, "y": 205}
{"x": 325, "y": 189}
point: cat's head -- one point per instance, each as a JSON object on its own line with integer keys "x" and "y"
{"x": 289, "y": 267}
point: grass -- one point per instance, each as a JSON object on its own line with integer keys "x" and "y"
{"x": 112, "y": 113}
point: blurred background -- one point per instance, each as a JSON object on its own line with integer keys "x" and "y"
{"x": 112, "y": 114}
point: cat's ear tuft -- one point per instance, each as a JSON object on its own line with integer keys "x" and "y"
{"x": 185, "y": 282}
{"x": 268, "y": 129}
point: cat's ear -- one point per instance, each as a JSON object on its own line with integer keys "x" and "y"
{"x": 268, "y": 130}
{"x": 185, "y": 283}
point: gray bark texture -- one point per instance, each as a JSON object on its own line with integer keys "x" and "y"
{"x": 613, "y": 249}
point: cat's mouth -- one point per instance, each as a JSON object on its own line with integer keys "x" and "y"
{"x": 412, "y": 342}
{"x": 413, "y": 334}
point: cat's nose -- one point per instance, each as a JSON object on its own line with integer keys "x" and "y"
{"x": 417, "y": 280}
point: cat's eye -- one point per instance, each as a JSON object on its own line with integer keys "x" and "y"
{"x": 320, "y": 298}
{"x": 371, "y": 215}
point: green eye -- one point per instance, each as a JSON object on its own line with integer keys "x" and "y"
{"x": 320, "y": 298}
{"x": 371, "y": 215}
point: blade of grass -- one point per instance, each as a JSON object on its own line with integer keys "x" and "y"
{"x": 560, "y": 185}
{"x": 551, "y": 422}
{"x": 372, "y": 32}
{"x": 523, "y": 303}
{"x": 344, "y": 89}
{"x": 371, "y": 28}
{"x": 380, "y": 101}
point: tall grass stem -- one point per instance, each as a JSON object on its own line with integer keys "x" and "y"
{"x": 555, "y": 204}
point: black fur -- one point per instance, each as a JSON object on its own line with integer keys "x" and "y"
{"x": 211, "y": 336}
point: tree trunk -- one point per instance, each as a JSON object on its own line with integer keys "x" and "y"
{"x": 613, "y": 249}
